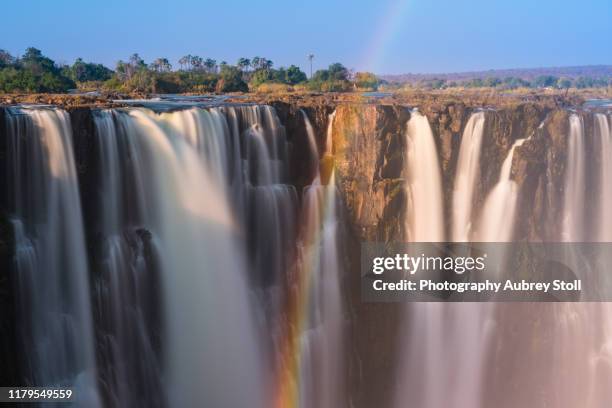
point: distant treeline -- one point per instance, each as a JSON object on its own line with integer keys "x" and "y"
{"x": 34, "y": 72}
{"x": 542, "y": 81}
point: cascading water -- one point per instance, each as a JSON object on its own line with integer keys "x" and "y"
{"x": 321, "y": 366}
{"x": 424, "y": 220}
{"x": 429, "y": 329}
{"x": 497, "y": 219}
{"x": 213, "y": 282}
{"x": 466, "y": 177}
{"x": 181, "y": 167}
{"x": 128, "y": 305}
{"x": 313, "y": 353}
{"x": 604, "y": 147}
{"x": 572, "y": 224}
{"x": 250, "y": 213}
{"x": 51, "y": 262}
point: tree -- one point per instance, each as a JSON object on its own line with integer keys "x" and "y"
{"x": 161, "y": 65}
{"x": 295, "y": 75}
{"x": 196, "y": 63}
{"x": 184, "y": 61}
{"x": 126, "y": 70}
{"x": 338, "y": 72}
{"x": 310, "y": 58}
{"x": 366, "y": 80}
{"x": 34, "y": 72}
{"x": 545, "y": 81}
{"x": 256, "y": 63}
{"x": 231, "y": 80}
{"x": 211, "y": 65}
{"x": 82, "y": 71}
{"x": 36, "y": 62}
{"x": 6, "y": 59}
{"x": 514, "y": 82}
{"x": 260, "y": 76}
{"x": 243, "y": 63}
{"x": 266, "y": 64}
{"x": 564, "y": 83}
{"x": 583, "y": 82}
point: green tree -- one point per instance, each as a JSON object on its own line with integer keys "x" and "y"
{"x": 295, "y": 75}
{"x": 82, "y": 71}
{"x": 338, "y": 72}
{"x": 231, "y": 80}
{"x": 256, "y": 63}
{"x": 545, "y": 81}
{"x": 161, "y": 65}
{"x": 6, "y": 59}
{"x": 34, "y": 72}
{"x": 244, "y": 64}
{"x": 564, "y": 83}
{"x": 211, "y": 65}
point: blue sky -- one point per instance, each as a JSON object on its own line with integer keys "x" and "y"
{"x": 385, "y": 36}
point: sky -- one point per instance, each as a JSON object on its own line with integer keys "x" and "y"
{"x": 382, "y": 36}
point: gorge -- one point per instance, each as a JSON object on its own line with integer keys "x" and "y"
{"x": 153, "y": 252}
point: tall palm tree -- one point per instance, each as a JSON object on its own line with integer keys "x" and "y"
{"x": 244, "y": 63}
{"x": 210, "y": 65}
{"x": 310, "y": 58}
{"x": 196, "y": 63}
{"x": 184, "y": 61}
{"x": 256, "y": 63}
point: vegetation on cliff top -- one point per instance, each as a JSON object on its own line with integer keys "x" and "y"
{"x": 35, "y": 73}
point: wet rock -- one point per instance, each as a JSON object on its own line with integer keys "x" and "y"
{"x": 369, "y": 149}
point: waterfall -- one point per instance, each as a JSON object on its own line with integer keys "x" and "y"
{"x": 433, "y": 332}
{"x": 321, "y": 377}
{"x": 54, "y": 309}
{"x": 497, "y": 219}
{"x": 191, "y": 198}
{"x": 127, "y": 280}
{"x": 574, "y": 193}
{"x": 181, "y": 266}
{"x": 604, "y": 147}
{"x": 312, "y": 143}
{"x": 180, "y": 166}
{"x": 466, "y": 177}
{"x": 313, "y": 375}
{"x": 424, "y": 219}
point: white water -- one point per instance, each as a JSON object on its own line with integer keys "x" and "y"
{"x": 54, "y": 312}
{"x": 321, "y": 373}
{"x": 572, "y": 223}
{"x": 497, "y": 220}
{"x": 210, "y": 342}
{"x": 466, "y": 177}
{"x": 604, "y": 147}
{"x": 211, "y": 207}
{"x": 312, "y": 144}
{"x": 440, "y": 358}
{"x": 424, "y": 219}
{"x": 208, "y": 186}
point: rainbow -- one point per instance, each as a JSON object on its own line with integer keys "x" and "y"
{"x": 384, "y": 34}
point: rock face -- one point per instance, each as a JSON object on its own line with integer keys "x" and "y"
{"x": 369, "y": 148}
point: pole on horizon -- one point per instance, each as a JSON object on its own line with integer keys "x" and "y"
{"x": 310, "y": 58}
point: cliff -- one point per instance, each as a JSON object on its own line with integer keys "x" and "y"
{"x": 369, "y": 154}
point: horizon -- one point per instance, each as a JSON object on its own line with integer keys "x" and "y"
{"x": 507, "y": 38}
